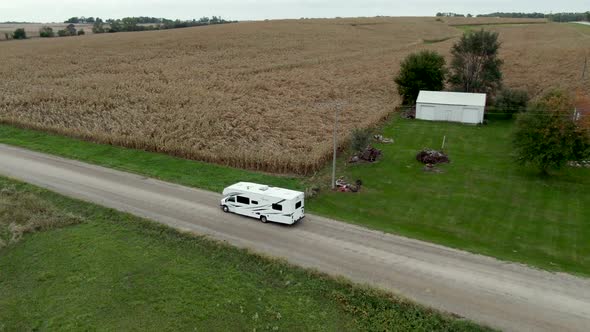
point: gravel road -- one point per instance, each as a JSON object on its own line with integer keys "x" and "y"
{"x": 503, "y": 295}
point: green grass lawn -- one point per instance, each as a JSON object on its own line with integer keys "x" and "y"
{"x": 483, "y": 202}
{"x": 115, "y": 272}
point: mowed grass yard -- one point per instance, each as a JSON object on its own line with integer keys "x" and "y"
{"x": 106, "y": 270}
{"x": 482, "y": 202}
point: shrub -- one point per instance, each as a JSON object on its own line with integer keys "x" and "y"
{"x": 81, "y": 32}
{"x": 46, "y": 32}
{"x": 511, "y": 101}
{"x": 420, "y": 71}
{"x": 19, "y": 34}
{"x": 63, "y": 33}
{"x": 547, "y": 136}
{"x": 360, "y": 139}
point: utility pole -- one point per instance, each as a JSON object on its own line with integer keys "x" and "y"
{"x": 585, "y": 67}
{"x": 336, "y": 106}
{"x": 336, "y": 111}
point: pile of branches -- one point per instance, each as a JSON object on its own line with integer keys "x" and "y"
{"x": 369, "y": 154}
{"x": 432, "y": 157}
{"x": 345, "y": 187}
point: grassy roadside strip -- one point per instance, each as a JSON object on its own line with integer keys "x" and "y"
{"x": 114, "y": 271}
{"x": 157, "y": 165}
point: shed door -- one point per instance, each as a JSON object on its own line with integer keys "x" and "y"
{"x": 471, "y": 115}
{"x": 426, "y": 112}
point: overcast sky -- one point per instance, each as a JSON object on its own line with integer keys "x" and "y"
{"x": 56, "y": 11}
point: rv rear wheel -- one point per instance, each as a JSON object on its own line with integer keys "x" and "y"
{"x": 263, "y": 219}
{"x": 225, "y": 208}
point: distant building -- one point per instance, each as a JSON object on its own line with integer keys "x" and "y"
{"x": 451, "y": 106}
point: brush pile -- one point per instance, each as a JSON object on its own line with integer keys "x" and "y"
{"x": 369, "y": 154}
{"x": 432, "y": 157}
{"x": 343, "y": 186}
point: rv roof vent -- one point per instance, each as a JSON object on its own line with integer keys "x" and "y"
{"x": 263, "y": 188}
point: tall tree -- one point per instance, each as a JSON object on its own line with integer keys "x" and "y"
{"x": 420, "y": 71}
{"x": 475, "y": 66}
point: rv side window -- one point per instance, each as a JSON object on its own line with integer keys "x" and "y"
{"x": 243, "y": 200}
{"x": 298, "y": 205}
{"x": 277, "y": 207}
{"x": 231, "y": 199}
{"x": 254, "y": 202}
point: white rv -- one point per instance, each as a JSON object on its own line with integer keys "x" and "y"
{"x": 263, "y": 202}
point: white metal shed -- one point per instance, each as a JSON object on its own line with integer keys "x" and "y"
{"x": 451, "y": 106}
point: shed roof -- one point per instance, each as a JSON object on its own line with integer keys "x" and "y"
{"x": 265, "y": 190}
{"x": 452, "y": 98}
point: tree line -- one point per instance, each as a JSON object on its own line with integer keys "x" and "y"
{"x": 450, "y": 14}
{"x": 556, "y": 17}
{"x": 140, "y": 23}
{"x": 144, "y": 23}
{"x": 47, "y": 32}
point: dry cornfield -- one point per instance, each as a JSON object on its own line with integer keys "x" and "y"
{"x": 257, "y": 95}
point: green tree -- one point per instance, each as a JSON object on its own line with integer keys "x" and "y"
{"x": 548, "y": 137}
{"x": 115, "y": 26}
{"x": 129, "y": 24}
{"x": 475, "y": 66}
{"x": 71, "y": 29}
{"x": 98, "y": 26}
{"x": 19, "y": 34}
{"x": 420, "y": 71}
{"x": 46, "y": 32}
{"x": 74, "y": 19}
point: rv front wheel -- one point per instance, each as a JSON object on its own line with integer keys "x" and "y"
{"x": 225, "y": 208}
{"x": 263, "y": 219}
